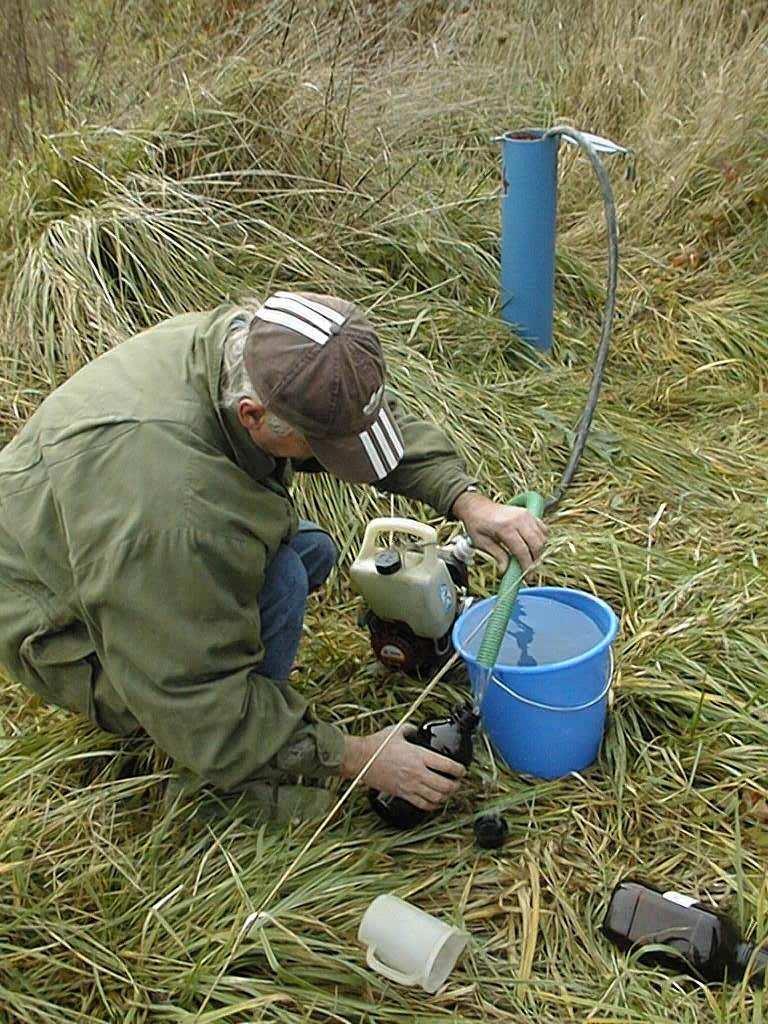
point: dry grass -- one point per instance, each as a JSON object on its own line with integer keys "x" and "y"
{"x": 346, "y": 147}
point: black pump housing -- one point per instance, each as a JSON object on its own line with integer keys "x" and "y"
{"x": 451, "y": 737}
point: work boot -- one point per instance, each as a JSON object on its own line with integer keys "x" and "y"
{"x": 259, "y": 801}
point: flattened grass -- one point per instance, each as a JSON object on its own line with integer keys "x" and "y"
{"x": 367, "y": 170}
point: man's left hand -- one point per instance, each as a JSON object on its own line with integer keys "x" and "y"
{"x": 501, "y": 529}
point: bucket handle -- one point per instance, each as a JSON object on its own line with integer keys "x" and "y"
{"x": 556, "y": 707}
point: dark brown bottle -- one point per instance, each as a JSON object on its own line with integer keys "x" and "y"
{"x": 451, "y": 737}
{"x": 701, "y": 940}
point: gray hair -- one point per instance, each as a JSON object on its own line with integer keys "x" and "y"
{"x": 235, "y": 382}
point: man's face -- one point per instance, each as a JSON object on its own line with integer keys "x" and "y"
{"x": 284, "y": 446}
{"x": 253, "y": 418}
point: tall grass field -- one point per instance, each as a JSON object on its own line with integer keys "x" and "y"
{"x": 166, "y": 157}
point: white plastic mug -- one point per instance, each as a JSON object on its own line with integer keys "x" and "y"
{"x": 407, "y": 945}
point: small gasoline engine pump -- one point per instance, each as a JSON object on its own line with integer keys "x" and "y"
{"x": 413, "y": 591}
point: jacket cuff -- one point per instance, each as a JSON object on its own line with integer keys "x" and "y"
{"x": 457, "y": 488}
{"x": 330, "y": 742}
{"x": 317, "y": 750}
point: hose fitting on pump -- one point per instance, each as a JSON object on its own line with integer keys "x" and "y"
{"x": 463, "y": 549}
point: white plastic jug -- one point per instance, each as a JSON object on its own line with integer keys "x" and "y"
{"x": 407, "y": 945}
{"x": 419, "y": 591}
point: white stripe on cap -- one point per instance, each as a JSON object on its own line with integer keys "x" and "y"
{"x": 389, "y": 456}
{"x": 396, "y": 442}
{"x": 373, "y": 455}
{"x": 384, "y": 454}
{"x": 287, "y": 305}
{"x": 273, "y": 316}
{"x": 318, "y": 307}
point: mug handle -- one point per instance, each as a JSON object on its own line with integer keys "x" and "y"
{"x": 390, "y": 972}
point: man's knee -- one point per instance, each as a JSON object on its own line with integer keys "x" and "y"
{"x": 286, "y": 585}
{"x": 327, "y": 555}
{"x": 318, "y": 552}
{"x": 282, "y": 605}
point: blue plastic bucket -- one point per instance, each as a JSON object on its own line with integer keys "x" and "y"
{"x": 548, "y": 719}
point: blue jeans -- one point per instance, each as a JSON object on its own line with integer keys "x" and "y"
{"x": 296, "y": 570}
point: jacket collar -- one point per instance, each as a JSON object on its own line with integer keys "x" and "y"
{"x": 257, "y": 463}
{"x": 254, "y": 460}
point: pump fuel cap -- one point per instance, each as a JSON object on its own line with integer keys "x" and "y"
{"x": 388, "y": 561}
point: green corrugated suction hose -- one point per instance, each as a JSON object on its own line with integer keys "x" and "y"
{"x": 510, "y": 584}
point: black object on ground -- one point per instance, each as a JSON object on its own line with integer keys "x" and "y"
{"x": 491, "y": 831}
{"x": 451, "y": 737}
{"x": 699, "y": 939}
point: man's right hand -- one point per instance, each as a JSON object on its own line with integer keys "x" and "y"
{"x": 402, "y": 769}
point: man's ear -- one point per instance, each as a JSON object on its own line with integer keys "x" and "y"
{"x": 250, "y": 413}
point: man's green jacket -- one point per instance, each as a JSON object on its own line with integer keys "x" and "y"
{"x": 136, "y": 521}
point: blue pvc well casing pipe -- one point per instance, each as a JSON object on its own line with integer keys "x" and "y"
{"x": 528, "y": 220}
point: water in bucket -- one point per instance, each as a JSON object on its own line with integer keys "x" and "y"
{"x": 543, "y": 704}
{"x": 543, "y": 632}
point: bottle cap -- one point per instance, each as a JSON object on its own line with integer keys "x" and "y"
{"x": 491, "y": 831}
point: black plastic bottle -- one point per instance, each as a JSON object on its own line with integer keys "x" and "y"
{"x": 451, "y": 737}
{"x": 706, "y": 942}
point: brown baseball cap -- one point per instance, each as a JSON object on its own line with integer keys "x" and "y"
{"x": 315, "y": 362}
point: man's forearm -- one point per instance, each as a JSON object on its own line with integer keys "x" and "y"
{"x": 430, "y": 471}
